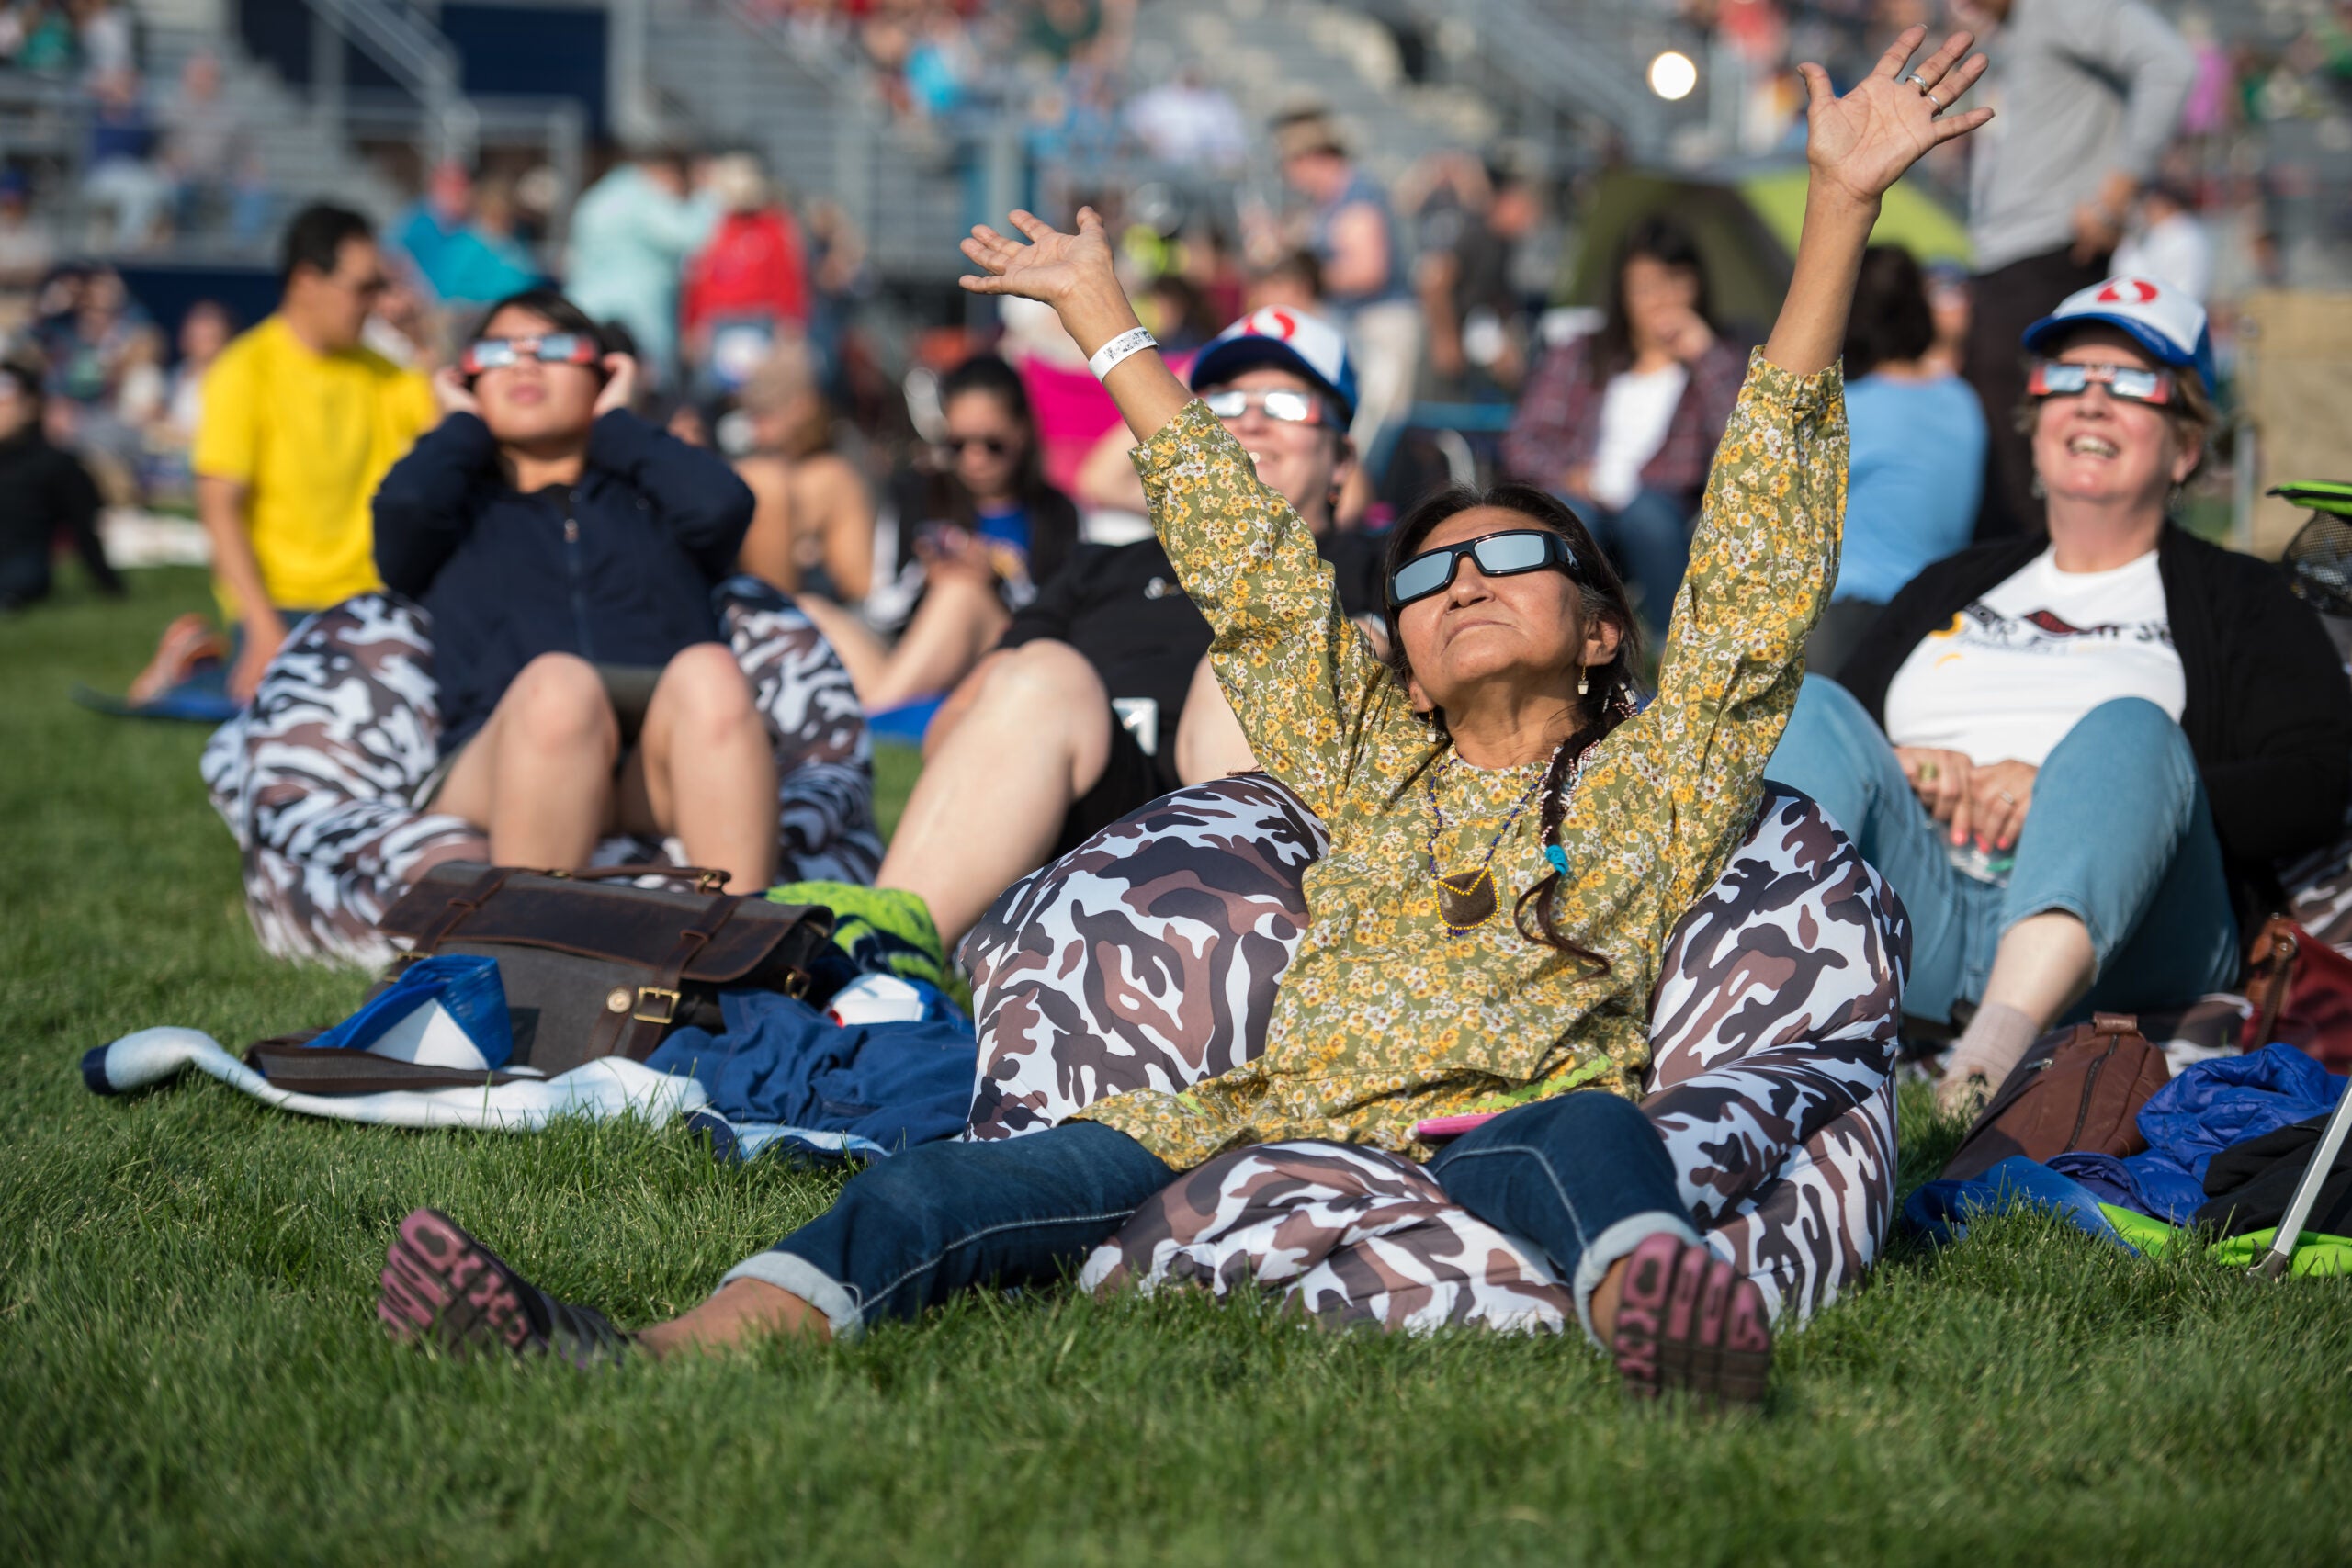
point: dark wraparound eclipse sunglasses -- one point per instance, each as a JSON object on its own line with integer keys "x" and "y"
{"x": 1505, "y": 554}
{"x": 2057, "y": 378}
{"x": 994, "y": 445}
{"x": 555, "y": 348}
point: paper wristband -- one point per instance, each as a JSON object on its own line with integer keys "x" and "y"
{"x": 1113, "y": 354}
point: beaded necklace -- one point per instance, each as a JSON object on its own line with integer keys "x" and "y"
{"x": 1465, "y": 899}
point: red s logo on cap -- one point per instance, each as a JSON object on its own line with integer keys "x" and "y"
{"x": 1285, "y": 324}
{"x": 2127, "y": 291}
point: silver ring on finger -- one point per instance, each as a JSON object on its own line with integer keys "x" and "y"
{"x": 1933, "y": 99}
{"x": 1919, "y": 82}
{"x": 2008, "y": 798}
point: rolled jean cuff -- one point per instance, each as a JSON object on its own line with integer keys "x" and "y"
{"x": 1619, "y": 1241}
{"x": 2103, "y": 944}
{"x": 788, "y": 1271}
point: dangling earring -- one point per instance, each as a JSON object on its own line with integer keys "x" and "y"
{"x": 1584, "y": 678}
{"x": 2041, "y": 492}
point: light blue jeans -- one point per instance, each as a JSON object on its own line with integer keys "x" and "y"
{"x": 2117, "y": 834}
{"x": 1652, "y": 535}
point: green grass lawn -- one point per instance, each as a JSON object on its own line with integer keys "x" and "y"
{"x": 190, "y": 1368}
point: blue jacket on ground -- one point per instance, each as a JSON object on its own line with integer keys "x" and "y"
{"x": 781, "y": 1064}
{"x": 2210, "y": 1107}
{"x": 617, "y": 569}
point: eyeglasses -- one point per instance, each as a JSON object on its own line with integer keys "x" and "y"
{"x": 2061, "y": 378}
{"x": 994, "y": 445}
{"x": 556, "y": 348}
{"x": 1291, "y": 408}
{"x": 1506, "y": 554}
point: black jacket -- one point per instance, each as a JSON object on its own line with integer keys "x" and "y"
{"x": 45, "y": 492}
{"x": 617, "y": 569}
{"x": 2269, "y": 711}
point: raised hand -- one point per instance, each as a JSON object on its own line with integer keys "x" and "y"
{"x": 1054, "y": 268}
{"x": 620, "y": 384}
{"x": 1862, "y": 142}
{"x": 1073, "y": 273}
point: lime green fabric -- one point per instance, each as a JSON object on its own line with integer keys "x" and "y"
{"x": 885, "y": 931}
{"x": 2320, "y": 495}
{"x": 2317, "y": 1255}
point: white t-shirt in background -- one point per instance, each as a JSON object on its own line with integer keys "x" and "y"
{"x": 2022, "y": 666}
{"x": 1634, "y": 413}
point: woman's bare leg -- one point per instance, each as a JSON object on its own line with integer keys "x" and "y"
{"x": 992, "y": 798}
{"x": 959, "y": 619}
{"x": 538, "y": 776}
{"x": 862, "y": 653}
{"x": 1209, "y": 741}
{"x": 2043, "y": 966}
{"x": 705, "y": 768}
{"x": 741, "y": 1310}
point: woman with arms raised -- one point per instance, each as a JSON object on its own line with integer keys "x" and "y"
{"x": 1500, "y": 754}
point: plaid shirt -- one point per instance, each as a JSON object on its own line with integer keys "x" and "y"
{"x": 1557, "y": 426}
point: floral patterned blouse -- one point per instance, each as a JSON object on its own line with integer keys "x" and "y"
{"x": 1383, "y": 1018}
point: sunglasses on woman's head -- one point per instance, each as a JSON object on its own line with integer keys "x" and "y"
{"x": 994, "y": 445}
{"x": 1290, "y": 407}
{"x": 555, "y": 348}
{"x": 2061, "y": 378}
{"x": 1506, "y": 554}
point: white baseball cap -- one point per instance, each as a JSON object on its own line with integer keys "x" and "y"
{"x": 2160, "y": 318}
{"x": 1285, "y": 339}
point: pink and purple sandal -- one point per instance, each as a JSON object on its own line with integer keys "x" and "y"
{"x": 1687, "y": 1320}
{"x": 441, "y": 1287}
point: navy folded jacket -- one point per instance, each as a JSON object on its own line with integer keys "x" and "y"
{"x": 781, "y": 1061}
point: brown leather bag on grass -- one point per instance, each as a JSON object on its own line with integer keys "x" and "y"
{"x": 2078, "y": 1088}
{"x": 593, "y": 966}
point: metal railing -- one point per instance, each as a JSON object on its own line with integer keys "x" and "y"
{"x": 411, "y": 52}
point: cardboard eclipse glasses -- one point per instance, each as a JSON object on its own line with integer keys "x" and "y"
{"x": 555, "y": 348}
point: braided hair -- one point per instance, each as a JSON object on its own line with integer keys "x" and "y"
{"x": 1610, "y": 696}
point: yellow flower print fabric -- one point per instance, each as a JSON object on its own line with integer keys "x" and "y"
{"x": 1383, "y": 1019}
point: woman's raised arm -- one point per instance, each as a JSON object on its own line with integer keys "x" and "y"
{"x": 1073, "y": 273}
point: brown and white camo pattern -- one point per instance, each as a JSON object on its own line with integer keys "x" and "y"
{"x": 318, "y": 777}
{"x": 1774, "y": 1033}
{"x": 1145, "y": 958}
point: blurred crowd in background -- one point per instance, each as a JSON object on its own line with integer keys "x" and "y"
{"x": 767, "y": 330}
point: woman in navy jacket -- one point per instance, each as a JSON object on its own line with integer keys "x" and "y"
{"x": 567, "y": 552}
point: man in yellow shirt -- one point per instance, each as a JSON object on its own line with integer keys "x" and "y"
{"x": 300, "y": 422}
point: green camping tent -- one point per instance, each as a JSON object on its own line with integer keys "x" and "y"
{"x": 1745, "y": 224}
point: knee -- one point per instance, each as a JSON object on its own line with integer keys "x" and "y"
{"x": 710, "y": 693}
{"x": 557, "y": 702}
{"x": 1043, "y": 682}
{"x": 2131, "y": 728}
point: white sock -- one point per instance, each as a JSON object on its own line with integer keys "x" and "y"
{"x": 1996, "y": 1040}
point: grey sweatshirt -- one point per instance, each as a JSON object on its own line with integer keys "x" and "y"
{"x": 2083, "y": 89}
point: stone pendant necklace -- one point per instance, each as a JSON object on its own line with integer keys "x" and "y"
{"x": 1467, "y": 899}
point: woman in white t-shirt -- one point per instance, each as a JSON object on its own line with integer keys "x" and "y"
{"x": 2077, "y": 759}
{"x": 1623, "y": 424}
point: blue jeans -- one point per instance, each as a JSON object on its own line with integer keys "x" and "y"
{"x": 1580, "y": 1180}
{"x": 1651, "y": 534}
{"x": 2117, "y": 834}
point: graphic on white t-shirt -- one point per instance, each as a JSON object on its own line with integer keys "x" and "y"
{"x": 2009, "y": 675}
